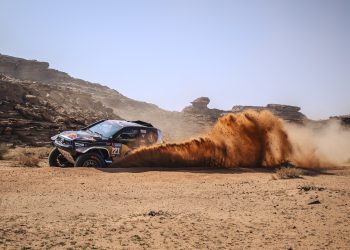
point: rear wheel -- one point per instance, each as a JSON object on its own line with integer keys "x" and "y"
{"x": 92, "y": 160}
{"x": 56, "y": 159}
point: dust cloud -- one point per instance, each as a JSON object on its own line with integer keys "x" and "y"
{"x": 248, "y": 139}
{"x": 251, "y": 139}
{"x": 319, "y": 145}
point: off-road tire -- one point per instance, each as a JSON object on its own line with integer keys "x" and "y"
{"x": 93, "y": 160}
{"x": 56, "y": 159}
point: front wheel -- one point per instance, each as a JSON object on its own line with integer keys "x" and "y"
{"x": 56, "y": 159}
{"x": 90, "y": 160}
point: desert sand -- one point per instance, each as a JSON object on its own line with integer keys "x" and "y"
{"x": 145, "y": 208}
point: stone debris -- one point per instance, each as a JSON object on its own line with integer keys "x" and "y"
{"x": 306, "y": 188}
{"x": 153, "y": 213}
{"x": 313, "y": 201}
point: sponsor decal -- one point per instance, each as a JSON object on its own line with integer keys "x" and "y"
{"x": 116, "y": 149}
{"x": 71, "y": 135}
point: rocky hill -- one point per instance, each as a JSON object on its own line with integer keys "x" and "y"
{"x": 31, "y": 92}
{"x": 31, "y": 112}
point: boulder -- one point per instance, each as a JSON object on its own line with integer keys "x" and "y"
{"x": 201, "y": 102}
{"x": 32, "y": 99}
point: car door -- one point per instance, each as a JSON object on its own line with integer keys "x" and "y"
{"x": 129, "y": 136}
{"x": 124, "y": 141}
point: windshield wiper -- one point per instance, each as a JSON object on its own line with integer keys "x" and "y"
{"x": 98, "y": 133}
{"x": 94, "y": 132}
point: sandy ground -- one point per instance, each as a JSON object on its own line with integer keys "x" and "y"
{"x": 82, "y": 208}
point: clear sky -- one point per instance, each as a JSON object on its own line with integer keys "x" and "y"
{"x": 169, "y": 52}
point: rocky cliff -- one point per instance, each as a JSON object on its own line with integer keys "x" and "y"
{"x": 30, "y": 70}
{"x": 31, "y": 112}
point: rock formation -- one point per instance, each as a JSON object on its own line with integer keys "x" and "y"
{"x": 286, "y": 112}
{"x": 344, "y": 119}
{"x": 200, "y": 108}
{"x": 31, "y": 112}
{"x": 30, "y": 70}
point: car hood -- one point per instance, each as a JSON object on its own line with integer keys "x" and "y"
{"x": 80, "y": 135}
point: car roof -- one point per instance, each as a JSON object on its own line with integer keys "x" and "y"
{"x": 124, "y": 123}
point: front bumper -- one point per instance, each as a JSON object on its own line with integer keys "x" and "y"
{"x": 66, "y": 148}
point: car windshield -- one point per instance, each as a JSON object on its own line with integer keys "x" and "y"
{"x": 106, "y": 128}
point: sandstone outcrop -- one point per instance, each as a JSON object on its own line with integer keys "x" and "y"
{"x": 344, "y": 119}
{"x": 200, "y": 108}
{"x": 286, "y": 112}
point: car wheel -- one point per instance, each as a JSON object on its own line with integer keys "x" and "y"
{"x": 92, "y": 160}
{"x": 56, "y": 159}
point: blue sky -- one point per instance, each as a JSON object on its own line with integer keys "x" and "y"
{"x": 170, "y": 52}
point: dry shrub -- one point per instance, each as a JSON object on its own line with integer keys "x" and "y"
{"x": 288, "y": 173}
{"x": 3, "y": 151}
{"x": 29, "y": 157}
{"x": 41, "y": 152}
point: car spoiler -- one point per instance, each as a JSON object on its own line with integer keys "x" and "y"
{"x": 146, "y": 124}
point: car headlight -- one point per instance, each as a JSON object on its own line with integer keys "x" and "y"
{"x": 79, "y": 145}
{"x": 54, "y": 137}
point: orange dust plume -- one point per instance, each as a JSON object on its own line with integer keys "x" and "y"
{"x": 247, "y": 139}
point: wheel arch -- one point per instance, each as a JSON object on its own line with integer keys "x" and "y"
{"x": 103, "y": 152}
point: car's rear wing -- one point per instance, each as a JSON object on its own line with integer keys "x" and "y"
{"x": 146, "y": 124}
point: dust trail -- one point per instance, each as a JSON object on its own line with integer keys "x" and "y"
{"x": 320, "y": 144}
{"x": 248, "y": 139}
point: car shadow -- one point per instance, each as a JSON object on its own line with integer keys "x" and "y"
{"x": 186, "y": 169}
{"x": 318, "y": 171}
{"x": 211, "y": 170}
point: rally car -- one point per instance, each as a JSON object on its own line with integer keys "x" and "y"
{"x": 101, "y": 143}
